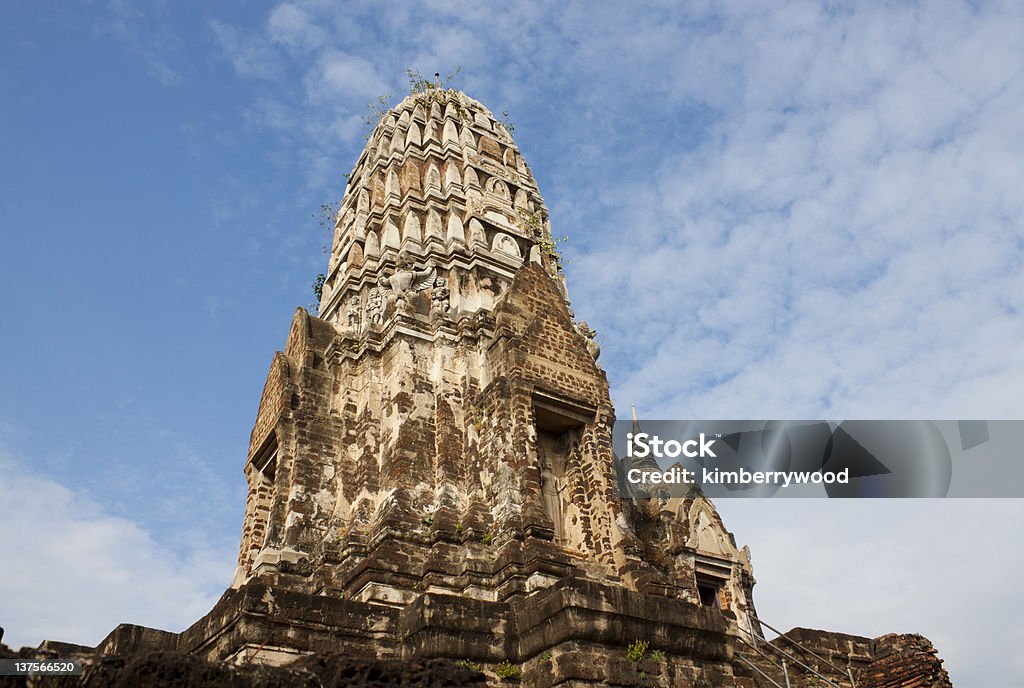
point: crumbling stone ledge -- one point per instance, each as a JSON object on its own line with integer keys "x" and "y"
{"x": 904, "y": 661}
{"x": 168, "y": 669}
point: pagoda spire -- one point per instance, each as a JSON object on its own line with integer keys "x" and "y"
{"x": 440, "y": 183}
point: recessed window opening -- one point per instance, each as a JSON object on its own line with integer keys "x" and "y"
{"x": 265, "y": 460}
{"x": 708, "y": 595}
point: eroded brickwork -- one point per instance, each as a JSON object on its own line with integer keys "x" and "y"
{"x": 440, "y": 436}
{"x": 431, "y": 471}
{"x": 904, "y": 661}
{"x": 816, "y": 658}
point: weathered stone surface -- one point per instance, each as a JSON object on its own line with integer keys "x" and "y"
{"x": 431, "y": 472}
{"x": 176, "y": 670}
{"x": 127, "y": 637}
{"x": 814, "y": 656}
{"x": 904, "y": 661}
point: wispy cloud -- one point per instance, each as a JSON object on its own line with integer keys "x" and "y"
{"x": 790, "y": 209}
{"x": 294, "y": 27}
{"x": 339, "y": 78}
{"x": 145, "y": 34}
{"x": 891, "y": 569}
{"x": 75, "y": 571}
{"x": 249, "y": 56}
{"x": 826, "y": 194}
{"x": 848, "y": 231}
{"x": 799, "y": 209}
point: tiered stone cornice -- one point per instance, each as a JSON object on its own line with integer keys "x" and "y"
{"x": 440, "y": 181}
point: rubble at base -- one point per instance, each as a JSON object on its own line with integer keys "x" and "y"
{"x": 168, "y": 669}
{"x": 890, "y": 661}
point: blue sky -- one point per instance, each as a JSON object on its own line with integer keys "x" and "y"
{"x": 776, "y": 210}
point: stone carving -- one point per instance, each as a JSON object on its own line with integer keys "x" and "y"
{"x": 407, "y": 281}
{"x": 353, "y": 312}
{"x": 553, "y": 493}
{"x": 440, "y": 296}
{"x": 552, "y": 454}
{"x": 376, "y": 305}
{"x": 705, "y": 534}
{"x": 507, "y": 245}
{"x": 474, "y": 203}
{"x": 593, "y": 348}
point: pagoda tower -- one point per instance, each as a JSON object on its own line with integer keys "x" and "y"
{"x": 431, "y": 470}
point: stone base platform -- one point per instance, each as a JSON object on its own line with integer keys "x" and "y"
{"x": 574, "y": 633}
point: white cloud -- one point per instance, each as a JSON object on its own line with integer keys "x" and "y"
{"x": 147, "y": 34}
{"x": 292, "y": 26}
{"x": 944, "y": 568}
{"x": 72, "y": 572}
{"x": 340, "y": 79}
{"x": 780, "y": 210}
{"x": 251, "y": 56}
{"x": 851, "y": 226}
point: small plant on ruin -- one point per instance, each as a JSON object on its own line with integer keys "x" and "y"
{"x": 427, "y": 520}
{"x": 487, "y": 539}
{"x": 376, "y": 111}
{"x": 546, "y": 657}
{"x": 550, "y": 248}
{"x": 458, "y": 528}
{"x": 325, "y": 219}
{"x": 530, "y": 222}
{"x": 427, "y": 92}
{"x": 506, "y": 121}
{"x": 636, "y": 650}
{"x": 507, "y": 671}
{"x": 318, "y": 290}
{"x": 472, "y": 666}
{"x": 533, "y": 223}
{"x": 658, "y": 656}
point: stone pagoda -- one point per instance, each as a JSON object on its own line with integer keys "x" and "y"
{"x": 431, "y": 475}
{"x": 431, "y": 470}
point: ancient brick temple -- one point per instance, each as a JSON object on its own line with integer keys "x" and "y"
{"x": 431, "y": 471}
